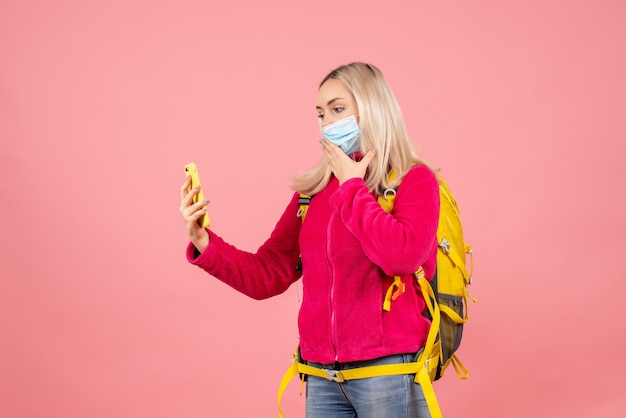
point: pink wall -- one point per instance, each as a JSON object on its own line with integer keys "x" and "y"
{"x": 522, "y": 104}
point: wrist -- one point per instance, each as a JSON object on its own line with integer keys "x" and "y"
{"x": 201, "y": 240}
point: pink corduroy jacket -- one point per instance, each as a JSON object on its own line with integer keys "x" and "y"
{"x": 351, "y": 249}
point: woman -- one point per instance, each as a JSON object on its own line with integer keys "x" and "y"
{"x": 350, "y": 249}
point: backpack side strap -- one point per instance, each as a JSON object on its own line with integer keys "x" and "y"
{"x": 303, "y": 206}
{"x": 303, "y": 201}
{"x": 424, "y": 368}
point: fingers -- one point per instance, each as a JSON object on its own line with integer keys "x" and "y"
{"x": 330, "y": 148}
{"x": 344, "y": 167}
{"x": 190, "y": 210}
{"x": 191, "y": 214}
{"x": 187, "y": 194}
{"x": 369, "y": 156}
{"x": 197, "y": 234}
{"x": 333, "y": 153}
{"x": 185, "y": 188}
{"x": 336, "y": 154}
{"x": 191, "y": 217}
{"x": 196, "y": 215}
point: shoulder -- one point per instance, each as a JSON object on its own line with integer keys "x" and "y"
{"x": 419, "y": 184}
{"x": 418, "y": 194}
{"x": 422, "y": 175}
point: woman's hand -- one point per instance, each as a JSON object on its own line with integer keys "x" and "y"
{"x": 344, "y": 167}
{"x": 191, "y": 213}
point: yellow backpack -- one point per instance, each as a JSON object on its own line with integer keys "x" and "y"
{"x": 446, "y": 299}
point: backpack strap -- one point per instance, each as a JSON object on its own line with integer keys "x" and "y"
{"x": 397, "y": 288}
{"x": 426, "y": 365}
{"x": 303, "y": 201}
{"x": 420, "y": 368}
{"x": 424, "y": 368}
{"x": 432, "y": 349}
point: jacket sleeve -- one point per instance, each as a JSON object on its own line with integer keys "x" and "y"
{"x": 399, "y": 242}
{"x": 266, "y": 273}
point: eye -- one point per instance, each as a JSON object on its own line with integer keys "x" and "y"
{"x": 338, "y": 109}
{"x": 320, "y": 116}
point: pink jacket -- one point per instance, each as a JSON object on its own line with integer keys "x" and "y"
{"x": 351, "y": 249}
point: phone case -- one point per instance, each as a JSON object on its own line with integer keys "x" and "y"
{"x": 192, "y": 170}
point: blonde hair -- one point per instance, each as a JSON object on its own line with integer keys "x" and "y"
{"x": 382, "y": 127}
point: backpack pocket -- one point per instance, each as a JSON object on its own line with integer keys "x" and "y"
{"x": 450, "y": 332}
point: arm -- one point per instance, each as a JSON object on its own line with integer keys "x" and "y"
{"x": 401, "y": 241}
{"x": 268, "y": 272}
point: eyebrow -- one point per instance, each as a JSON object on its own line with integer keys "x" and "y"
{"x": 331, "y": 101}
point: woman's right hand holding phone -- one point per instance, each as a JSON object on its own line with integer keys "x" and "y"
{"x": 192, "y": 212}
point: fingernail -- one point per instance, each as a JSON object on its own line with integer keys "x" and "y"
{"x": 373, "y": 149}
{"x": 207, "y": 201}
{"x": 198, "y": 186}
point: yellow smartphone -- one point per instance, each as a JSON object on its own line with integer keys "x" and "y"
{"x": 192, "y": 171}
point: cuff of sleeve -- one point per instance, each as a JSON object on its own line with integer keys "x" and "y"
{"x": 346, "y": 191}
{"x": 195, "y": 257}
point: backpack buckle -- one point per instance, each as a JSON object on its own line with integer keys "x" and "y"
{"x": 389, "y": 192}
{"x": 445, "y": 245}
{"x": 334, "y": 375}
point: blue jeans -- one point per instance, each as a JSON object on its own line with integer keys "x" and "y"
{"x": 377, "y": 397}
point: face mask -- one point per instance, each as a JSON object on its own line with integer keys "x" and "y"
{"x": 344, "y": 133}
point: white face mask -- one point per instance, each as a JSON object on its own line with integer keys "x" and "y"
{"x": 344, "y": 133}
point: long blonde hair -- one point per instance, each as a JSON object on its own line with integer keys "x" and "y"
{"x": 382, "y": 127}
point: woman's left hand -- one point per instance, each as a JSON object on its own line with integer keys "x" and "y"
{"x": 344, "y": 167}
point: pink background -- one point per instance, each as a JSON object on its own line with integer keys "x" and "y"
{"x": 522, "y": 104}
